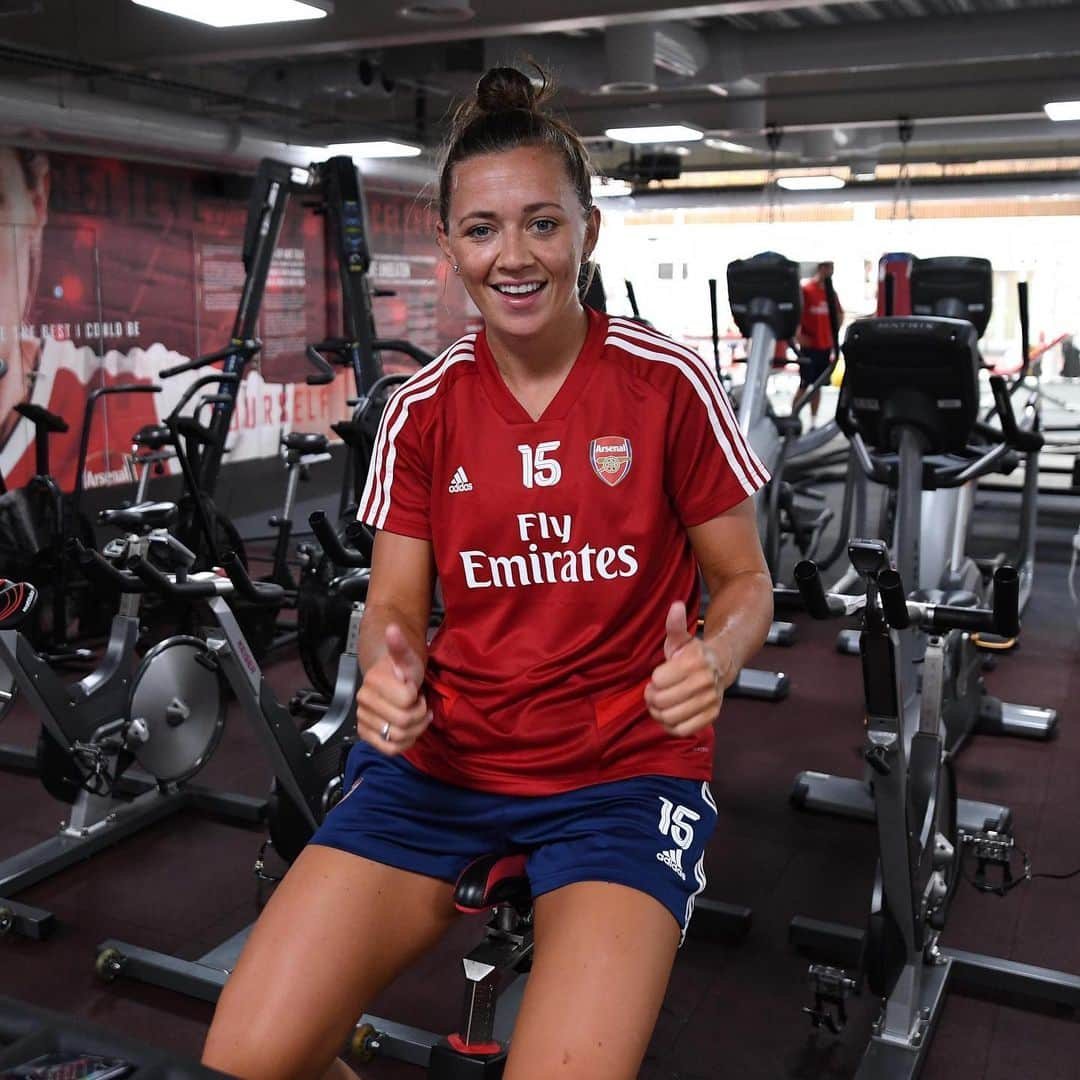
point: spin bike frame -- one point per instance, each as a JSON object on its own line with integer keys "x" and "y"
{"x": 87, "y": 713}
{"x": 916, "y": 812}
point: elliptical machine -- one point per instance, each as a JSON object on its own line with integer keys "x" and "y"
{"x": 766, "y": 303}
{"x": 909, "y": 404}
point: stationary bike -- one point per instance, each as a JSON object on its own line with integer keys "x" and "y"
{"x": 921, "y": 841}
{"x": 910, "y": 405}
{"x": 94, "y": 732}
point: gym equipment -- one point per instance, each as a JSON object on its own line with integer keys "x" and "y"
{"x": 199, "y": 447}
{"x": 308, "y": 769}
{"x": 322, "y": 613}
{"x": 35, "y": 525}
{"x": 909, "y": 404}
{"x": 961, "y": 287}
{"x": 94, "y": 730}
{"x": 766, "y": 303}
{"x": 915, "y": 806}
{"x": 307, "y": 764}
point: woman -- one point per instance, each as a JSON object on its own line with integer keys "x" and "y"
{"x": 24, "y": 206}
{"x": 564, "y": 475}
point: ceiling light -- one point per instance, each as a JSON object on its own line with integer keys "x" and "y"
{"x": 664, "y": 133}
{"x": 719, "y": 89}
{"x": 379, "y": 149}
{"x": 864, "y": 177}
{"x": 444, "y": 11}
{"x": 221, "y": 13}
{"x": 730, "y": 147}
{"x": 1063, "y": 110}
{"x": 810, "y": 183}
{"x": 607, "y": 187}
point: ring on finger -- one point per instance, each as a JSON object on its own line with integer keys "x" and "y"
{"x": 386, "y": 731}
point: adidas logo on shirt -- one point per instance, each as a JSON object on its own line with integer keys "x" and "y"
{"x": 672, "y": 860}
{"x": 460, "y": 482}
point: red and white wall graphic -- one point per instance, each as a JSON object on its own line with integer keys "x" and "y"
{"x": 111, "y": 271}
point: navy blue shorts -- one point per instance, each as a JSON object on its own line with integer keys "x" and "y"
{"x": 812, "y": 363}
{"x": 648, "y": 832}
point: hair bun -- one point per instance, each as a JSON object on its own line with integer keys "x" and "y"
{"x": 505, "y": 88}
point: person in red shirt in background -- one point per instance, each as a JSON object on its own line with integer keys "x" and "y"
{"x": 815, "y": 336}
{"x": 568, "y": 476}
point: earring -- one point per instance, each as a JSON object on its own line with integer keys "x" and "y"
{"x": 456, "y": 268}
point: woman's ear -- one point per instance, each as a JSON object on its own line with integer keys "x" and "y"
{"x": 592, "y": 231}
{"x": 444, "y": 242}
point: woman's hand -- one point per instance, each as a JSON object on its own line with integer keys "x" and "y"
{"x": 391, "y": 712}
{"x": 687, "y": 689}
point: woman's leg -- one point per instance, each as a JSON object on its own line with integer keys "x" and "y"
{"x": 336, "y": 931}
{"x": 602, "y": 960}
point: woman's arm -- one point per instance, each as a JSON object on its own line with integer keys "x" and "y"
{"x": 402, "y": 580}
{"x": 740, "y": 589}
{"x": 391, "y": 712}
{"x": 687, "y": 689}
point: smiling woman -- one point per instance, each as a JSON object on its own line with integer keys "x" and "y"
{"x": 517, "y": 222}
{"x": 563, "y": 475}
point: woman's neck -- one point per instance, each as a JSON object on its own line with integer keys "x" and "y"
{"x": 546, "y": 356}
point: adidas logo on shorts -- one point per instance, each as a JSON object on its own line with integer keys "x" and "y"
{"x": 672, "y": 860}
{"x": 460, "y": 482}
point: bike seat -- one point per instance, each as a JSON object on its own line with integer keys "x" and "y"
{"x": 152, "y": 437}
{"x": 306, "y": 442}
{"x": 17, "y": 600}
{"x": 491, "y": 880}
{"x": 143, "y": 517}
{"x": 41, "y": 417}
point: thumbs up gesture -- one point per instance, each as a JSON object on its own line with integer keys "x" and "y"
{"x": 687, "y": 689}
{"x": 391, "y": 711}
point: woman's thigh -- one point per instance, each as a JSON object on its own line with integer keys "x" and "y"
{"x": 336, "y": 931}
{"x": 603, "y": 957}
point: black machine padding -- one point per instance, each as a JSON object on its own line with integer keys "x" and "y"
{"x": 959, "y": 287}
{"x": 765, "y": 288}
{"x": 915, "y": 371}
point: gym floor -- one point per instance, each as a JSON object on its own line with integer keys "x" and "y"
{"x": 732, "y": 1010}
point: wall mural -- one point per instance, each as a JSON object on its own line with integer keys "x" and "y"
{"x": 111, "y": 271}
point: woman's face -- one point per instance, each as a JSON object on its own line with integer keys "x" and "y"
{"x": 518, "y": 234}
{"x": 23, "y": 209}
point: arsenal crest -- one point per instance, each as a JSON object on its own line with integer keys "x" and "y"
{"x": 610, "y": 457}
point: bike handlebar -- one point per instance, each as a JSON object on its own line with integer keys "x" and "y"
{"x": 900, "y": 612}
{"x": 97, "y": 566}
{"x": 256, "y": 592}
{"x": 234, "y": 348}
{"x": 165, "y": 585}
{"x": 332, "y": 545}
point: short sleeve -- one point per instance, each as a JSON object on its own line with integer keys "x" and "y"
{"x": 397, "y": 494}
{"x": 709, "y": 466}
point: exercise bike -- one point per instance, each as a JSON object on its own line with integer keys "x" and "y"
{"x": 93, "y": 731}
{"x": 921, "y": 840}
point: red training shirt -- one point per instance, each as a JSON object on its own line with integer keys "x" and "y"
{"x": 815, "y": 328}
{"x": 560, "y": 546}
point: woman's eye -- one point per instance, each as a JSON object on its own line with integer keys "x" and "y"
{"x": 544, "y": 225}
{"x": 479, "y": 232}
